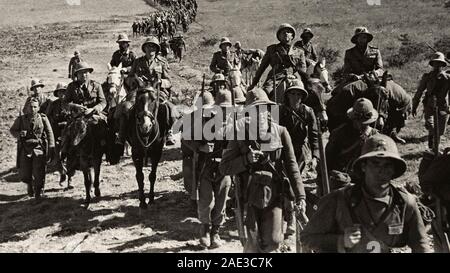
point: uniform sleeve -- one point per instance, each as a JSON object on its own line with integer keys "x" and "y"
{"x": 213, "y": 65}
{"x": 320, "y": 233}
{"x": 262, "y": 67}
{"x": 347, "y": 63}
{"x": 418, "y": 95}
{"x": 379, "y": 65}
{"x": 101, "y": 100}
{"x": 15, "y": 128}
{"x": 234, "y": 159}
{"x": 313, "y": 53}
{"x": 313, "y": 135}
{"x": 301, "y": 65}
{"x": 134, "y": 68}
{"x": 291, "y": 166}
{"x": 417, "y": 235}
{"x": 331, "y": 151}
{"x": 49, "y": 132}
{"x": 115, "y": 60}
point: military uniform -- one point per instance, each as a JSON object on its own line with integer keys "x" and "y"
{"x": 310, "y": 51}
{"x": 33, "y": 149}
{"x": 89, "y": 94}
{"x": 438, "y": 86}
{"x": 74, "y": 61}
{"x": 42, "y": 99}
{"x": 152, "y": 70}
{"x": 223, "y": 63}
{"x": 357, "y": 62}
{"x": 125, "y": 58}
{"x": 284, "y": 60}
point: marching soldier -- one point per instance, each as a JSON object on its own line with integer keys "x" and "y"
{"x": 372, "y": 215}
{"x": 152, "y": 70}
{"x": 285, "y": 60}
{"x": 123, "y": 55}
{"x": 437, "y": 84}
{"x": 346, "y": 141}
{"x": 43, "y": 100}
{"x": 214, "y": 186}
{"x": 261, "y": 160}
{"x": 74, "y": 61}
{"x": 307, "y": 46}
{"x": 35, "y": 144}
{"x": 224, "y": 60}
{"x": 58, "y": 114}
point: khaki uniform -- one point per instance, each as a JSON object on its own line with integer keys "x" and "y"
{"x": 264, "y": 213}
{"x": 43, "y": 101}
{"x": 357, "y": 62}
{"x": 152, "y": 70}
{"x": 90, "y": 95}
{"x": 33, "y": 148}
{"x": 390, "y": 222}
{"x": 438, "y": 86}
{"x": 221, "y": 63}
{"x": 74, "y": 61}
{"x": 310, "y": 51}
{"x": 284, "y": 60}
{"x": 125, "y": 58}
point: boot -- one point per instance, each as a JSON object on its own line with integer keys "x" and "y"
{"x": 170, "y": 139}
{"x": 204, "y": 235}
{"x": 216, "y": 242}
{"x": 120, "y": 139}
{"x": 397, "y": 139}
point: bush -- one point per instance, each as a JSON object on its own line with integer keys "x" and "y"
{"x": 331, "y": 55}
{"x": 338, "y": 74}
{"x": 443, "y": 45}
{"x": 207, "y": 42}
{"x": 410, "y": 50}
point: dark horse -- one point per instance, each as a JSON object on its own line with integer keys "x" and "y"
{"x": 86, "y": 135}
{"x": 147, "y": 133}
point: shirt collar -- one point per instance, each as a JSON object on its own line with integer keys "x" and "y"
{"x": 385, "y": 200}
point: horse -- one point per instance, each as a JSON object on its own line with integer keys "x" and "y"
{"x": 147, "y": 135}
{"x": 251, "y": 64}
{"x": 86, "y": 135}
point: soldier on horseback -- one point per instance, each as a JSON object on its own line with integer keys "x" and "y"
{"x": 152, "y": 70}
{"x": 307, "y": 46}
{"x": 123, "y": 55}
{"x": 285, "y": 59}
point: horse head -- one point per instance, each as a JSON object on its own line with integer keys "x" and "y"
{"x": 146, "y": 109}
{"x": 235, "y": 77}
{"x": 113, "y": 86}
{"x": 319, "y": 71}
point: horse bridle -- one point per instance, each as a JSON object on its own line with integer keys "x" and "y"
{"x": 152, "y": 117}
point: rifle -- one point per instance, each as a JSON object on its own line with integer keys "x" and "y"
{"x": 323, "y": 162}
{"x": 195, "y": 182}
{"x": 238, "y": 211}
{"x": 434, "y": 49}
{"x": 19, "y": 141}
{"x": 301, "y": 220}
{"x": 436, "y": 136}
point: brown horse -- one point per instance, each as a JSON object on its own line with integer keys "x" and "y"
{"x": 147, "y": 135}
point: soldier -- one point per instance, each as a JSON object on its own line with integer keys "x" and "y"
{"x": 178, "y": 45}
{"x": 224, "y": 60}
{"x": 308, "y": 47}
{"x": 214, "y": 186}
{"x": 284, "y": 59}
{"x": 36, "y": 89}
{"x": 152, "y": 69}
{"x": 74, "y": 61}
{"x": 346, "y": 141}
{"x": 362, "y": 58}
{"x": 300, "y": 121}
{"x": 437, "y": 84}
{"x": 123, "y": 55}
{"x": 35, "y": 144}
{"x": 260, "y": 160}
{"x": 58, "y": 114}
{"x": 86, "y": 93}
{"x": 372, "y": 215}
{"x": 164, "y": 47}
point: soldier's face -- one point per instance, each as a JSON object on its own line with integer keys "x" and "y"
{"x": 295, "y": 98}
{"x": 362, "y": 40}
{"x": 36, "y": 90}
{"x": 124, "y": 46}
{"x": 378, "y": 172}
{"x": 34, "y": 107}
{"x": 286, "y": 36}
{"x": 150, "y": 49}
{"x": 83, "y": 76}
{"x": 225, "y": 47}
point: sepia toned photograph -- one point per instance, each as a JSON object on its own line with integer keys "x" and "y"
{"x": 225, "y": 127}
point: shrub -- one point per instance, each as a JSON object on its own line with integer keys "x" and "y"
{"x": 207, "y": 42}
{"x": 409, "y": 50}
{"x": 331, "y": 55}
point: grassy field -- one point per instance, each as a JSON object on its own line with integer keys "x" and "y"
{"x": 39, "y": 38}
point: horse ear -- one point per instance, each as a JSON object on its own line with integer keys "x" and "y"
{"x": 109, "y": 67}
{"x": 120, "y": 66}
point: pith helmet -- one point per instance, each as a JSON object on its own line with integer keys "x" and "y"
{"x": 151, "y": 40}
{"x": 438, "y": 57}
{"x": 36, "y": 83}
{"x": 285, "y": 26}
{"x": 123, "y": 38}
{"x": 257, "y": 96}
{"x": 306, "y": 31}
{"x": 361, "y": 31}
{"x": 381, "y": 146}
{"x": 225, "y": 40}
{"x": 363, "y": 111}
{"x": 223, "y": 98}
{"x": 218, "y": 78}
{"x": 297, "y": 85}
{"x": 82, "y": 66}
{"x": 59, "y": 87}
